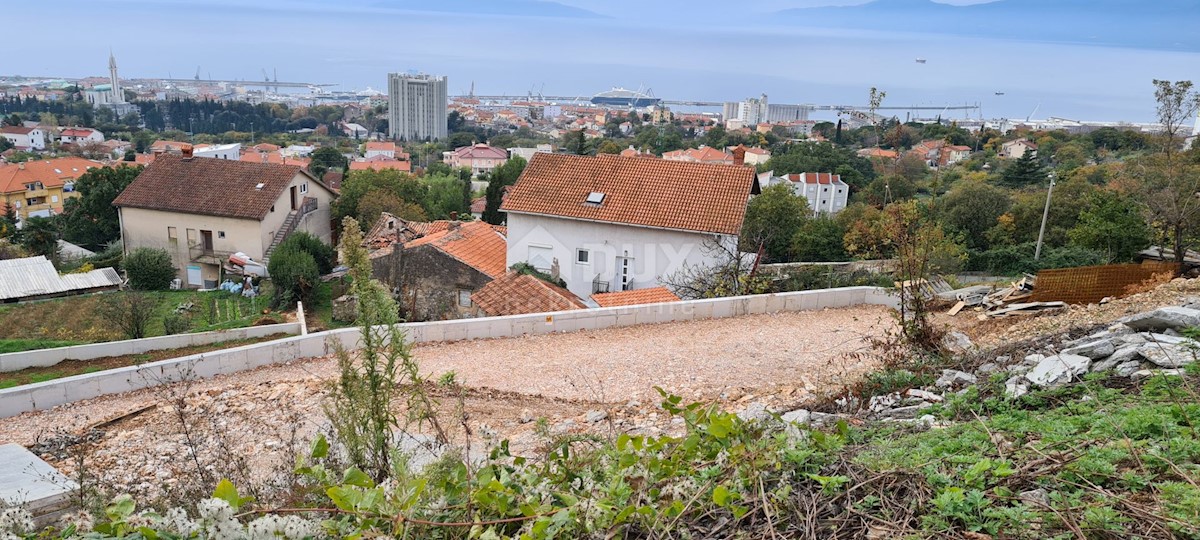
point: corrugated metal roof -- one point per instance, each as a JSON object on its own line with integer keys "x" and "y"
{"x": 36, "y": 276}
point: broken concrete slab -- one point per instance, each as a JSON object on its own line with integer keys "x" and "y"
{"x": 1120, "y": 356}
{"x": 1126, "y": 369}
{"x": 1016, "y": 387}
{"x": 1093, "y": 349}
{"x": 1176, "y": 318}
{"x": 1167, "y": 355}
{"x": 952, "y": 378}
{"x": 1058, "y": 369}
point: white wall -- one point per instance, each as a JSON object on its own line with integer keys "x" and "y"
{"x": 32, "y": 397}
{"x": 49, "y": 357}
{"x": 656, "y": 253}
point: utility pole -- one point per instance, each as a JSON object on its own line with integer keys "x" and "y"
{"x": 1037, "y": 252}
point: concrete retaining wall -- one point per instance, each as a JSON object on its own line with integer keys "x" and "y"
{"x": 49, "y": 357}
{"x": 48, "y": 394}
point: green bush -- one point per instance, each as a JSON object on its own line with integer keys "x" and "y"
{"x": 176, "y": 323}
{"x": 1019, "y": 258}
{"x": 149, "y": 269}
{"x": 295, "y": 274}
{"x": 322, "y": 253}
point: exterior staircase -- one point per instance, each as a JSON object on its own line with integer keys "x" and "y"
{"x": 289, "y": 225}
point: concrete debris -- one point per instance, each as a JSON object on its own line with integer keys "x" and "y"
{"x": 988, "y": 368}
{"x": 1095, "y": 349}
{"x": 756, "y": 411}
{"x": 1147, "y": 373}
{"x": 1035, "y": 497}
{"x": 1175, "y": 318}
{"x": 798, "y": 416}
{"x": 957, "y": 342}
{"x": 1016, "y": 387}
{"x": 1126, "y": 369}
{"x": 1168, "y": 355}
{"x": 952, "y": 378}
{"x": 595, "y": 416}
{"x": 1058, "y": 369}
{"x": 924, "y": 395}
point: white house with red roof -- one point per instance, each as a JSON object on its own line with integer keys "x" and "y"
{"x": 825, "y": 192}
{"x": 24, "y": 138}
{"x": 81, "y": 136}
{"x": 480, "y": 158}
{"x": 608, "y": 223}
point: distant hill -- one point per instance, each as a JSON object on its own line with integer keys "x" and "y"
{"x": 512, "y": 8}
{"x": 1159, "y": 24}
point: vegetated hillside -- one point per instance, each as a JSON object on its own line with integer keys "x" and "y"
{"x": 1081, "y": 433}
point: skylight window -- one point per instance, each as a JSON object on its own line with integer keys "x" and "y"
{"x": 259, "y": 186}
{"x": 595, "y": 198}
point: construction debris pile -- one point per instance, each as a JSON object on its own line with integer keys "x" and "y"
{"x": 992, "y": 301}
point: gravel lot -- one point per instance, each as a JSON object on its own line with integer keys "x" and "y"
{"x": 139, "y": 443}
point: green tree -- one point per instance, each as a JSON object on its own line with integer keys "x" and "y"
{"x": 294, "y": 273}
{"x": 358, "y": 183}
{"x": 1027, "y": 170}
{"x": 149, "y": 269}
{"x": 504, "y": 176}
{"x": 322, "y": 253}
{"x": 5, "y": 144}
{"x": 819, "y": 240}
{"x": 90, "y": 220}
{"x": 39, "y": 236}
{"x": 888, "y": 189}
{"x": 575, "y": 142}
{"x": 772, "y": 220}
{"x": 446, "y": 195}
{"x": 972, "y": 208}
{"x": 1112, "y": 223}
{"x": 823, "y": 157}
{"x": 376, "y": 202}
{"x": 609, "y": 147}
{"x": 325, "y": 159}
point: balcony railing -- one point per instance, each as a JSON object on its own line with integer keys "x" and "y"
{"x": 198, "y": 253}
{"x": 309, "y": 204}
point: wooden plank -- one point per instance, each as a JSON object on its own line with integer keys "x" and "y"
{"x": 957, "y": 308}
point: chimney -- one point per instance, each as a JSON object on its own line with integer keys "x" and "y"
{"x": 187, "y": 152}
{"x": 739, "y": 155}
{"x": 453, "y": 216}
{"x": 453, "y": 226}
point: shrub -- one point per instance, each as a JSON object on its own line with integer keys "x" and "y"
{"x": 322, "y": 253}
{"x": 130, "y": 312}
{"x": 295, "y": 273}
{"x": 1019, "y": 258}
{"x": 149, "y": 269}
{"x": 176, "y": 323}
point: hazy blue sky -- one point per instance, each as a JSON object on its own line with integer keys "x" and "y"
{"x": 682, "y": 49}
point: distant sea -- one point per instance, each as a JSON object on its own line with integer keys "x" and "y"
{"x": 717, "y": 57}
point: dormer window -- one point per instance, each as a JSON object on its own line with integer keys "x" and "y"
{"x": 594, "y": 198}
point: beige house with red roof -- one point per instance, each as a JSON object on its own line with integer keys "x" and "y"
{"x": 609, "y": 223}
{"x": 1016, "y": 149}
{"x": 703, "y": 154}
{"x": 203, "y": 210}
{"x": 480, "y": 158}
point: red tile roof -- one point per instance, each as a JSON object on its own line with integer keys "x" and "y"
{"x": 646, "y": 192}
{"x": 480, "y": 151}
{"x": 476, "y": 244}
{"x": 380, "y": 163}
{"x": 518, "y": 294}
{"x": 50, "y": 172}
{"x": 213, "y": 187}
{"x": 76, "y": 132}
{"x": 816, "y": 178}
{"x": 382, "y": 146}
{"x": 653, "y": 295}
{"x": 16, "y": 130}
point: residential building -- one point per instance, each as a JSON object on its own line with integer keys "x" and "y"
{"x": 436, "y": 274}
{"x": 40, "y": 188}
{"x": 381, "y": 162}
{"x": 517, "y": 294}
{"x": 25, "y": 138}
{"x": 749, "y": 112}
{"x": 479, "y": 157}
{"x": 949, "y": 155}
{"x": 169, "y": 147}
{"x": 80, "y": 136}
{"x": 231, "y": 151}
{"x": 634, "y": 152}
{"x": 927, "y": 151}
{"x": 754, "y": 155}
{"x": 527, "y": 153}
{"x": 609, "y": 223}
{"x": 417, "y": 107}
{"x": 825, "y": 192}
{"x": 879, "y": 153}
{"x": 381, "y": 148}
{"x": 1016, "y": 149}
{"x": 203, "y": 210}
{"x": 703, "y": 154}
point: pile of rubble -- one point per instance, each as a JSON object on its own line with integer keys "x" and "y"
{"x": 991, "y": 301}
{"x": 1138, "y": 346}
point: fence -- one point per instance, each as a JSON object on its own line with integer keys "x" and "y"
{"x": 1091, "y": 284}
{"x": 49, "y": 357}
{"x": 14, "y": 401}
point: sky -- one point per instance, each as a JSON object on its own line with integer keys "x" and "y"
{"x": 712, "y": 50}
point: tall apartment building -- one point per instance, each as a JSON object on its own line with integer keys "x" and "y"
{"x": 417, "y": 106}
{"x": 751, "y": 111}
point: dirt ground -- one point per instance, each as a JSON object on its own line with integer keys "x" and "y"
{"x": 157, "y": 440}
